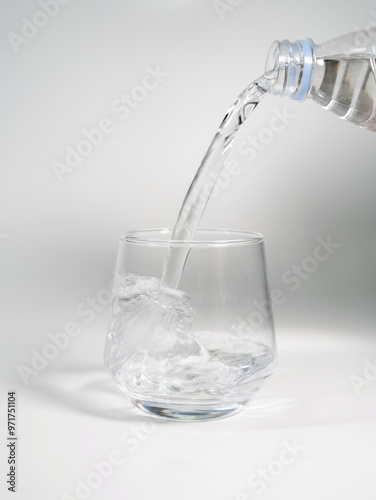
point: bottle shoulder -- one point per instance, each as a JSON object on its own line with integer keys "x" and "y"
{"x": 359, "y": 44}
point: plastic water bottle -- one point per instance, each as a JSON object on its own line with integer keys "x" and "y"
{"x": 340, "y": 75}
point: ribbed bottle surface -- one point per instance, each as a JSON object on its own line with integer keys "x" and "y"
{"x": 347, "y": 87}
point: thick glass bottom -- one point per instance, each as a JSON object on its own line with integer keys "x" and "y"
{"x": 188, "y": 412}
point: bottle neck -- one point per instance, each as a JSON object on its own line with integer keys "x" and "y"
{"x": 293, "y": 64}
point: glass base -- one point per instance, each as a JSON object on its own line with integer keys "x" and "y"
{"x": 188, "y": 412}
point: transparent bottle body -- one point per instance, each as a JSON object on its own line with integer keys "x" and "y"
{"x": 344, "y": 78}
{"x": 340, "y": 75}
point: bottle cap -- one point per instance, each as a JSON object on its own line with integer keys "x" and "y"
{"x": 293, "y": 62}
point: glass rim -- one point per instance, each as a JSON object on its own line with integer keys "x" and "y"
{"x": 162, "y": 237}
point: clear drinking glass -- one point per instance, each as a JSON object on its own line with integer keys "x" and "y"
{"x": 200, "y": 351}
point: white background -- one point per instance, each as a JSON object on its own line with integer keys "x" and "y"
{"x": 315, "y": 178}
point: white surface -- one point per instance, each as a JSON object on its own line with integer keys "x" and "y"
{"x": 73, "y": 415}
